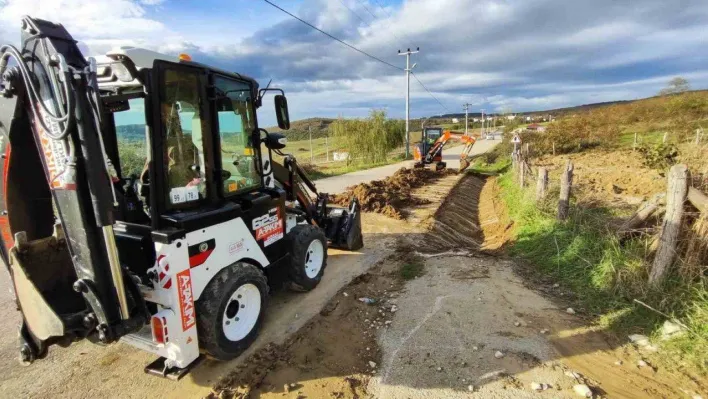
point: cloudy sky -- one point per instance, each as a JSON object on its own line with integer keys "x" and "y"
{"x": 521, "y": 55}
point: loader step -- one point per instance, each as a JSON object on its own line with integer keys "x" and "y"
{"x": 158, "y": 368}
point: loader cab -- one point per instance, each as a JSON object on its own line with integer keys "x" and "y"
{"x": 187, "y": 149}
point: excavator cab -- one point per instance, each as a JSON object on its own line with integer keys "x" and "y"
{"x": 141, "y": 202}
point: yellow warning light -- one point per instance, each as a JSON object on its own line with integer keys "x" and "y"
{"x": 248, "y": 151}
{"x": 184, "y": 57}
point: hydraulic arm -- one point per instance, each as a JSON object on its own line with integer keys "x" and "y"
{"x": 54, "y": 159}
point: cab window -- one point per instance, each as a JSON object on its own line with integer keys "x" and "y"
{"x": 130, "y": 133}
{"x": 236, "y": 121}
{"x": 185, "y": 126}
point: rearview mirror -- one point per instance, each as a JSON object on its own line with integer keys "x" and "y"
{"x": 281, "y": 111}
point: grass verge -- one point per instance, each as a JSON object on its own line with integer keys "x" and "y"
{"x": 321, "y": 171}
{"x": 606, "y": 275}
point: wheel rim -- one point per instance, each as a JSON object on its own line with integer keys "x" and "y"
{"x": 314, "y": 258}
{"x": 241, "y": 312}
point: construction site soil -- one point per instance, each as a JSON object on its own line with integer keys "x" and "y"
{"x": 465, "y": 326}
{"x": 391, "y": 195}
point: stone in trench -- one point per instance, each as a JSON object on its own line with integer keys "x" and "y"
{"x": 499, "y": 355}
{"x": 470, "y": 388}
{"x": 570, "y": 311}
{"x": 671, "y": 330}
{"x": 583, "y": 390}
{"x": 372, "y": 364}
{"x": 639, "y": 339}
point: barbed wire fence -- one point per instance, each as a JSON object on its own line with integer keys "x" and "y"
{"x": 680, "y": 233}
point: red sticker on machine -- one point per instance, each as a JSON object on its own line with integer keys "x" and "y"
{"x": 186, "y": 299}
{"x": 55, "y": 154}
{"x": 269, "y": 227}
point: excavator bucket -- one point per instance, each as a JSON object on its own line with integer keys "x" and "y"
{"x": 464, "y": 164}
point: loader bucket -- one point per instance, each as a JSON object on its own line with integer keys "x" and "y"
{"x": 343, "y": 227}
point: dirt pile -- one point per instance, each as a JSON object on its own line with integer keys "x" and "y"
{"x": 389, "y": 196}
{"x": 608, "y": 176}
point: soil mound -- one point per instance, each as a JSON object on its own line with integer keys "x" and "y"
{"x": 389, "y": 196}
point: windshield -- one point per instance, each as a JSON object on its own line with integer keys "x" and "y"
{"x": 234, "y": 106}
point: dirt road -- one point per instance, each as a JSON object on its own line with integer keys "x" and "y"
{"x": 86, "y": 370}
{"x": 468, "y": 324}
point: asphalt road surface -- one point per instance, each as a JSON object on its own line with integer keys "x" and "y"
{"x": 451, "y": 156}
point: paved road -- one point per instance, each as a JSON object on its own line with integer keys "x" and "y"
{"x": 451, "y": 156}
{"x": 87, "y": 370}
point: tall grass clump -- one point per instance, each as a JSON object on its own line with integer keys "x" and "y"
{"x": 369, "y": 140}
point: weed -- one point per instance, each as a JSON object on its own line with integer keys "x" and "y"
{"x": 412, "y": 269}
{"x": 659, "y": 156}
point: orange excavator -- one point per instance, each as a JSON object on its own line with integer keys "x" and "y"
{"x": 429, "y": 151}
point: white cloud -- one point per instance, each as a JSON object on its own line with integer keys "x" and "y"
{"x": 527, "y": 54}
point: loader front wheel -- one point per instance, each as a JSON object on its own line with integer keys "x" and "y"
{"x": 308, "y": 247}
{"x": 230, "y": 311}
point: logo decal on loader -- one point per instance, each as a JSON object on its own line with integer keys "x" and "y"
{"x": 186, "y": 299}
{"x": 269, "y": 227}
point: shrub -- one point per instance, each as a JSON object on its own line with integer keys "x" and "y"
{"x": 659, "y": 156}
{"x": 370, "y": 139}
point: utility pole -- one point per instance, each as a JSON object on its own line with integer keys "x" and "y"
{"x": 466, "y": 107}
{"x": 483, "y": 122}
{"x": 409, "y": 68}
{"x": 309, "y": 128}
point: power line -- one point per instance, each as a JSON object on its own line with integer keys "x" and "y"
{"x": 429, "y": 92}
{"x": 334, "y": 38}
{"x": 357, "y": 15}
{"x": 390, "y": 16}
{"x": 375, "y": 18}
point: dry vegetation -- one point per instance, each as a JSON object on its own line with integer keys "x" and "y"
{"x": 607, "y": 271}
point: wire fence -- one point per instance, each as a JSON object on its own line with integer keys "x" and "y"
{"x": 679, "y": 236}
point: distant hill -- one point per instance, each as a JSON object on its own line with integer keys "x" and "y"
{"x": 558, "y": 111}
{"x": 300, "y": 130}
{"x": 131, "y": 132}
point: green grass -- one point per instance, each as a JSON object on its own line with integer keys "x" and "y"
{"x": 412, "y": 269}
{"x": 584, "y": 255}
{"x": 481, "y": 166}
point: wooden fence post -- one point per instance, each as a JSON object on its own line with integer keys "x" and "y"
{"x": 634, "y": 146}
{"x": 666, "y": 137}
{"x": 541, "y": 184}
{"x": 671, "y": 226}
{"x": 644, "y": 212}
{"x": 554, "y": 148}
{"x": 522, "y": 173}
{"x": 566, "y": 184}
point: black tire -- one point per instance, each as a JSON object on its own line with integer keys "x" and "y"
{"x": 212, "y": 305}
{"x": 299, "y": 240}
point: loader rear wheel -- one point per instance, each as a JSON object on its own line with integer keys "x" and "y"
{"x": 230, "y": 311}
{"x": 308, "y": 246}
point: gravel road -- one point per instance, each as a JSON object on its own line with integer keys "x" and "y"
{"x": 87, "y": 370}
